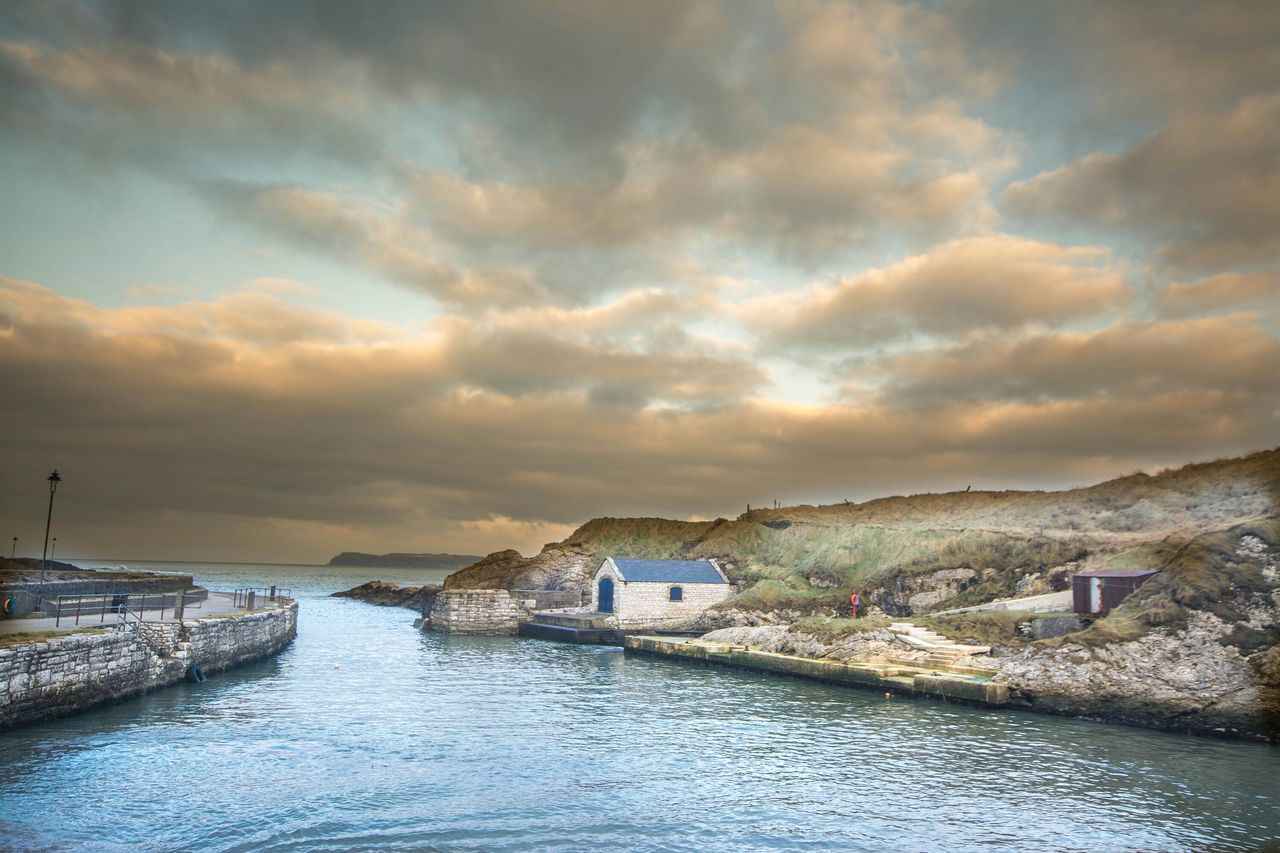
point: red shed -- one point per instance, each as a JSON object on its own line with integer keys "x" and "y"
{"x": 1099, "y": 592}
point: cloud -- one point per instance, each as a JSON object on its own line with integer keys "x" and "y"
{"x": 369, "y": 237}
{"x": 155, "y": 109}
{"x": 809, "y": 129}
{"x": 1218, "y": 293}
{"x": 1124, "y": 361}
{"x": 331, "y": 435}
{"x": 1206, "y": 185}
{"x": 1189, "y": 56}
{"x": 983, "y": 283}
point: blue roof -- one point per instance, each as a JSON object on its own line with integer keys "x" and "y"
{"x": 668, "y": 571}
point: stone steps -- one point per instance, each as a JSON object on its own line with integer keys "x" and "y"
{"x": 580, "y": 620}
{"x": 941, "y": 650}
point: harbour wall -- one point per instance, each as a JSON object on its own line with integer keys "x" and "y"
{"x": 76, "y": 672}
{"x": 490, "y": 611}
{"x": 911, "y": 681}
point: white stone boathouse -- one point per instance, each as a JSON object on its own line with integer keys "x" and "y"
{"x": 651, "y": 592}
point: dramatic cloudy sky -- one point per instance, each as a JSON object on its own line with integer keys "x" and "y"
{"x": 282, "y": 279}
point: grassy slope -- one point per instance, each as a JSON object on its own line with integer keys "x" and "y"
{"x": 806, "y": 557}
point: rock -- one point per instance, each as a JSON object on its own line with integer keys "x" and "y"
{"x": 1185, "y": 680}
{"x": 390, "y": 595}
{"x": 909, "y": 594}
{"x": 878, "y": 645}
{"x": 557, "y": 566}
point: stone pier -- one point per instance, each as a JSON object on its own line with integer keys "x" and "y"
{"x": 77, "y": 671}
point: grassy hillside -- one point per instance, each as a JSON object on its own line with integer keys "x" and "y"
{"x": 806, "y": 557}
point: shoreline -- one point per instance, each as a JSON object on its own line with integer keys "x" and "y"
{"x": 954, "y": 685}
{"x": 1204, "y": 689}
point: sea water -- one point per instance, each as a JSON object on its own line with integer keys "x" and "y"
{"x": 367, "y": 734}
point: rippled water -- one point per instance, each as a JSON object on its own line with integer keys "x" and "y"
{"x": 369, "y": 734}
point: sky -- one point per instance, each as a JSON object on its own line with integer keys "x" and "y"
{"x": 283, "y": 279}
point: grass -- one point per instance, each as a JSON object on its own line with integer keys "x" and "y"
{"x": 24, "y": 638}
{"x": 983, "y": 628}
{"x": 791, "y": 593}
{"x": 1118, "y": 627}
{"x": 831, "y": 630}
{"x": 640, "y": 538}
{"x": 990, "y": 627}
{"x": 810, "y": 567}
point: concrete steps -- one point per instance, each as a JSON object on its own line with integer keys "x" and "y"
{"x": 580, "y": 619}
{"x": 942, "y": 651}
{"x": 568, "y": 634}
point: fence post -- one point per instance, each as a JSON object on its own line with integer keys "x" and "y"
{"x": 252, "y": 593}
{"x": 179, "y": 604}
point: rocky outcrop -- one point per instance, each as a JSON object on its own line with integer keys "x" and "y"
{"x": 1184, "y": 680}
{"x": 730, "y": 616}
{"x": 385, "y": 594}
{"x": 905, "y": 595}
{"x": 558, "y": 566}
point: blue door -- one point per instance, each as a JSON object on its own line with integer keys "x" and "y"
{"x": 606, "y": 595}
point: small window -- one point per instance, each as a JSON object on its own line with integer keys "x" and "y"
{"x": 677, "y": 593}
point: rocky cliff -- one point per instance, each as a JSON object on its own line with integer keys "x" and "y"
{"x": 1195, "y": 648}
{"x": 922, "y": 553}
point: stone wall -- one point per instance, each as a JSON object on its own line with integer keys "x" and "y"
{"x": 477, "y": 611}
{"x": 549, "y": 599}
{"x": 75, "y": 672}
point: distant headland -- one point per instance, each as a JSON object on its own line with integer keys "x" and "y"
{"x": 404, "y": 561}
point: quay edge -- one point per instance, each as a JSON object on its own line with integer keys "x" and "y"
{"x": 898, "y": 679}
{"x": 65, "y": 675}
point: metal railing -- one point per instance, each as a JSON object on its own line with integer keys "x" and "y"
{"x": 153, "y": 634}
{"x": 103, "y": 604}
{"x": 249, "y": 596}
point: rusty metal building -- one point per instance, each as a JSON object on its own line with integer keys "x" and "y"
{"x": 1101, "y": 591}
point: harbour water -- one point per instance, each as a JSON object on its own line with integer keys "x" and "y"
{"x": 368, "y": 734}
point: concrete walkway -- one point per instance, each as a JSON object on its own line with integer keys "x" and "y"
{"x": 1034, "y": 604}
{"x": 218, "y": 603}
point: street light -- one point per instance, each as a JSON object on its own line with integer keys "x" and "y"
{"x": 54, "y": 480}
{"x": 53, "y": 552}
{"x": 15, "y": 548}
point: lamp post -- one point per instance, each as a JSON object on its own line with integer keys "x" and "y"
{"x": 53, "y": 551}
{"x": 54, "y": 480}
{"x": 15, "y": 548}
